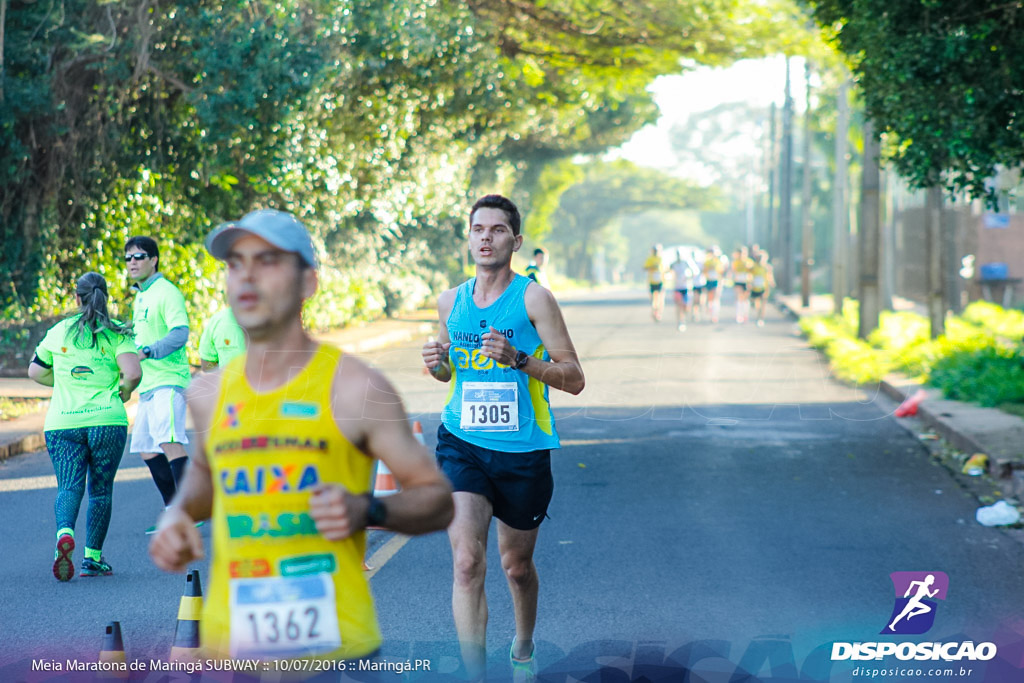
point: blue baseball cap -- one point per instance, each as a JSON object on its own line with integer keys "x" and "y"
{"x": 279, "y": 228}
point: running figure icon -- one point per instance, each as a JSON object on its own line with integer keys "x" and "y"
{"x": 915, "y": 606}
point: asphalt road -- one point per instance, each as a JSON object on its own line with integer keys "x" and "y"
{"x": 722, "y": 506}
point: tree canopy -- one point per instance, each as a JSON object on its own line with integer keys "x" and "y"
{"x": 373, "y": 121}
{"x": 943, "y": 78}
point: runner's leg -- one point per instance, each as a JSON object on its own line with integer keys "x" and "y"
{"x": 67, "y": 450}
{"x": 107, "y": 446}
{"x": 68, "y": 453}
{"x": 468, "y": 536}
{"x": 516, "y": 549}
{"x": 177, "y": 460}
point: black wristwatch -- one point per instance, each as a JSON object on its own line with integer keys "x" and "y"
{"x": 521, "y": 358}
{"x": 376, "y": 513}
{"x": 146, "y": 351}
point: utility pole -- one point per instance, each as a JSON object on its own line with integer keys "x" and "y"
{"x": 840, "y": 231}
{"x": 869, "y": 294}
{"x": 886, "y": 243}
{"x": 933, "y": 247}
{"x": 772, "y": 238}
{"x": 786, "y": 191}
{"x": 807, "y": 223}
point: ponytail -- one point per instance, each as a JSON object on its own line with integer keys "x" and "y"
{"x": 93, "y": 315}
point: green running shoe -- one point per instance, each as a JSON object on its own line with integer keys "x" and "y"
{"x": 94, "y": 568}
{"x": 63, "y": 566}
{"x": 523, "y": 670}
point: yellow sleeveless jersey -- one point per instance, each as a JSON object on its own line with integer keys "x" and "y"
{"x": 758, "y": 277}
{"x": 712, "y": 267}
{"x": 277, "y": 588}
{"x": 742, "y": 266}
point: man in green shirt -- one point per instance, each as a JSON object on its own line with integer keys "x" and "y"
{"x": 222, "y": 340}
{"x": 161, "y": 332}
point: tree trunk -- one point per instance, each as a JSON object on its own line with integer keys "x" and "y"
{"x": 870, "y": 215}
{"x": 933, "y": 246}
{"x": 840, "y": 231}
{"x": 786, "y": 194}
{"x": 806, "y": 221}
{"x": 951, "y": 262}
{"x": 770, "y": 237}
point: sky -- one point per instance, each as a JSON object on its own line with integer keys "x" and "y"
{"x": 760, "y": 82}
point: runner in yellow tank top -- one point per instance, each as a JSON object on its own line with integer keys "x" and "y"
{"x": 286, "y": 437}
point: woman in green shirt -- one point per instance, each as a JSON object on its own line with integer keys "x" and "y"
{"x": 93, "y": 366}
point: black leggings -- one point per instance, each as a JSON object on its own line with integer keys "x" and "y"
{"x": 75, "y": 451}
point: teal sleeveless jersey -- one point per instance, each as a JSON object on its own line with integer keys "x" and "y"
{"x": 489, "y": 404}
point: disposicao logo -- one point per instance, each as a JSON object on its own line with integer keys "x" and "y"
{"x": 916, "y": 596}
{"x": 916, "y": 603}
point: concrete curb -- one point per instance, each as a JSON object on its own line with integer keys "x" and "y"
{"x": 26, "y": 444}
{"x": 965, "y": 426}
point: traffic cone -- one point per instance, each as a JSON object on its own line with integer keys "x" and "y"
{"x": 909, "y": 407}
{"x": 417, "y": 431}
{"x": 385, "y": 484}
{"x": 113, "y": 653}
{"x": 186, "y": 632}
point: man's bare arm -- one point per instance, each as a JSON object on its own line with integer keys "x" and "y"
{"x": 564, "y": 372}
{"x": 435, "y": 352}
{"x": 369, "y": 412}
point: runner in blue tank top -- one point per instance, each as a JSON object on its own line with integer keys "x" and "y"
{"x": 501, "y": 343}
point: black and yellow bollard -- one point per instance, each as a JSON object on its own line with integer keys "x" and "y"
{"x": 186, "y": 633}
{"x": 112, "y": 662}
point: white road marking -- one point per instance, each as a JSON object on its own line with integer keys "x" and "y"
{"x": 49, "y": 481}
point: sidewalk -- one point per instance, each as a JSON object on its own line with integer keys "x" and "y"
{"x": 25, "y": 434}
{"x": 966, "y": 427}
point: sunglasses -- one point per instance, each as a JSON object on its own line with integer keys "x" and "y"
{"x": 137, "y": 256}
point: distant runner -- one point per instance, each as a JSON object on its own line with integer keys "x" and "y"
{"x": 713, "y": 270}
{"x": 761, "y": 281}
{"x": 535, "y": 271}
{"x": 655, "y": 280}
{"x": 741, "y": 266}
{"x": 684, "y": 272}
{"x": 92, "y": 364}
{"x": 502, "y": 342}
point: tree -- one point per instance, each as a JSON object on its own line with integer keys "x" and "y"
{"x": 942, "y": 78}
{"x": 374, "y": 121}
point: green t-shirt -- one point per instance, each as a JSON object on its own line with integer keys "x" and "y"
{"x": 85, "y": 380}
{"x": 222, "y": 339}
{"x": 157, "y": 309}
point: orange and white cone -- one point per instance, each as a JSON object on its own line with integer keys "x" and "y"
{"x": 417, "y": 431}
{"x": 384, "y": 485}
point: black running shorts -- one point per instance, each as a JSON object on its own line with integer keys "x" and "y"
{"x": 518, "y": 485}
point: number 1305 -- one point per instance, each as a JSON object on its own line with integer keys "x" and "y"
{"x": 489, "y": 414}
